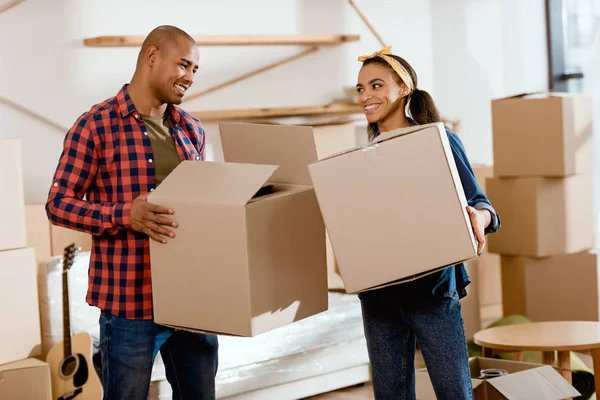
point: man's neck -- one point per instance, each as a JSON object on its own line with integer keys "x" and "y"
{"x": 143, "y": 100}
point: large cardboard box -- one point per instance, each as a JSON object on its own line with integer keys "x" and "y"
{"x": 489, "y": 276}
{"x": 20, "y": 336}
{"x": 292, "y": 147}
{"x": 25, "y": 380}
{"x": 524, "y": 381}
{"x": 470, "y": 305}
{"x": 542, "y": 216}
{"x": 239, "y": 265}
{"x": 12, "y": 211}
{"x": 542, "y": 135}
{"x": 380, "y": 203}
{"x": 557, "y": 288}
{"x": 50, "y": 240}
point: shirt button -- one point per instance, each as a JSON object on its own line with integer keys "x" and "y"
{"x": 145, "y": 133}
{"x": 152, "y": 189}
{"x": 55, "y": 184}
{"x": 197, "y": 158}
{"x": 136, "y": 116}
{"x": 150, "y": 160}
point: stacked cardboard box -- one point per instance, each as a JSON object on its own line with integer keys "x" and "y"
{"x": 543, "y": 191}
{"x": 21, "y": 377}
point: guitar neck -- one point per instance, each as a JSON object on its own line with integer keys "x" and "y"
{"x": 66, "y": 314}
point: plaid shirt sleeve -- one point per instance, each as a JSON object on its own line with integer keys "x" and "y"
{"x": 75, "y": 173}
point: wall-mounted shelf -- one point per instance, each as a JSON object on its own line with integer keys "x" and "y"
{"x": 277, "y": 112}
{"x": 232, "y": 40}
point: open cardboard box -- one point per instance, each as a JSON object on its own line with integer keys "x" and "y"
{"x": 293, "y": 148}
{"x": 240, "y": 264}
{"x": 524, "y": 381}
{"x": 395, "y": 209}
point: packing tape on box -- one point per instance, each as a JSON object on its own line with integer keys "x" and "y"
{"x": 371, "y": 152}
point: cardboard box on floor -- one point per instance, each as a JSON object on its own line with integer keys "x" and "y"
{"x": 50, "y": 240}
{"x": 557, "y": 288}
{"x": 542, "y": 135}
{"x": 239, "y": 265}
{"x": 542, "y": 216}
{"x": 524, "y": 381}
{"x": 470, "y": 305}
{"x": 380, "y": 203}
{"x": 292, "y": 148}
{"x": 27, "y": 380}
{"x": 20, "y": 336}
{"x": 489, "y": 275}
{"x": 12, "y": 213}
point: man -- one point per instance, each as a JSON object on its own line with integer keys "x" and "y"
{"x": 113, "y": 156}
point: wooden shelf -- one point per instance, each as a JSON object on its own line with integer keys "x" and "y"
{"x": 231, "y": 40}
{"x": 249, "y": 114}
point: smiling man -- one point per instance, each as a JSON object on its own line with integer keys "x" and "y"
{"x": 113, "y": 156}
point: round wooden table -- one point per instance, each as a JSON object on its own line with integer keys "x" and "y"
{"x": 547, "y": 337}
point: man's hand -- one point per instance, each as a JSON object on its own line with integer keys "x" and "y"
{"x": 480, "y": 219}
{"x": 146, "y": 217}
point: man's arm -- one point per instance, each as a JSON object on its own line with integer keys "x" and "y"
{"x": 76, "y": 171}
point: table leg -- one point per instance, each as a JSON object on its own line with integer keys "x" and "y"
{"x": 519, "y": 356}
{"x": 487, "y": 352}
{"x": 596, "y": 358}
{"x": 548, "y": 357}
{"x": 564, "y": 363}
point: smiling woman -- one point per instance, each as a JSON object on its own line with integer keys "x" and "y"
{"x": 386, "y": 83}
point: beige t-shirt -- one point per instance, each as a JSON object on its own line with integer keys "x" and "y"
{"x": 163, "y": 146}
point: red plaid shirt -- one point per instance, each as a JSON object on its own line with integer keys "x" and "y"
{"x": 107, "y": 158}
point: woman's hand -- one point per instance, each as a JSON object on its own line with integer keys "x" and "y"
{"x": 480, "y": 219}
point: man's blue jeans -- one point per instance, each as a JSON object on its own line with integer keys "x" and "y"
{"x": 128, "y": 349}
{"x": 391, "y": 327}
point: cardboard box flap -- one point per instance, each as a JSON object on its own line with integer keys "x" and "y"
{"x": 538, "y": 95}
{"x": 22, "y": 364}
{"x": 537, "y": 383}
{"x": 214, "y": 182}
{"x": 292, "y": 148}
{"x": 385, "y": 137}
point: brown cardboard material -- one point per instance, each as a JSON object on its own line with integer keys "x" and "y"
{"x": 380, "y": 201}
{"x": 542, "y": 216}
{"x": 38, "y": 230}
{"x": 470, "y": 304}
{"x": 50, "y": 240}
{"x": 27, "y": 380}
{"x": 12, "y": 210}
{"x": 238, "y": 266}
{"x": 557, "y": 288}
{"x": 525, "y": 381}
{"x": 542, "y": 135}
{"x": 292, "y": 148}
{"x": 490, "y": 281}
{"x": 19, "y": 313}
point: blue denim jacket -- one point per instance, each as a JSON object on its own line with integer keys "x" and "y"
{"x": 455, "y": 278}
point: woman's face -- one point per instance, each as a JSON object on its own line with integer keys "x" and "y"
{"x": 379, "y": 93}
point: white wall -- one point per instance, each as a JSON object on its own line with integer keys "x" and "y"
{"x": 485, "y": 49}
{"x": 45, "y": 67}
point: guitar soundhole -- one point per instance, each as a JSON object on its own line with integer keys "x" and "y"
{"x": 82, "y": 374}
{"x": 69, "y": 366}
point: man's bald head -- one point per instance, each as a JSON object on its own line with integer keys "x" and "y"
{"x": 164, "y": 37}
{"x": 167, "y": 63}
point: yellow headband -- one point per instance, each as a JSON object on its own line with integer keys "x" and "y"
{"x": 395, "y": 64}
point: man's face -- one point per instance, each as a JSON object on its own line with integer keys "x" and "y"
{"x": 173, "y": 72}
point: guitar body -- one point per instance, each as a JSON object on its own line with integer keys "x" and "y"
{"x": 74, "y": 377}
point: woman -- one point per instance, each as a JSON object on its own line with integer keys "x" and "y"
{"x": 426, "y": 310}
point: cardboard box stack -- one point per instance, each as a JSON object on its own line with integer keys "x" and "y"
{"x": 542, "y": 189}
{"x": 21, "y": 377}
